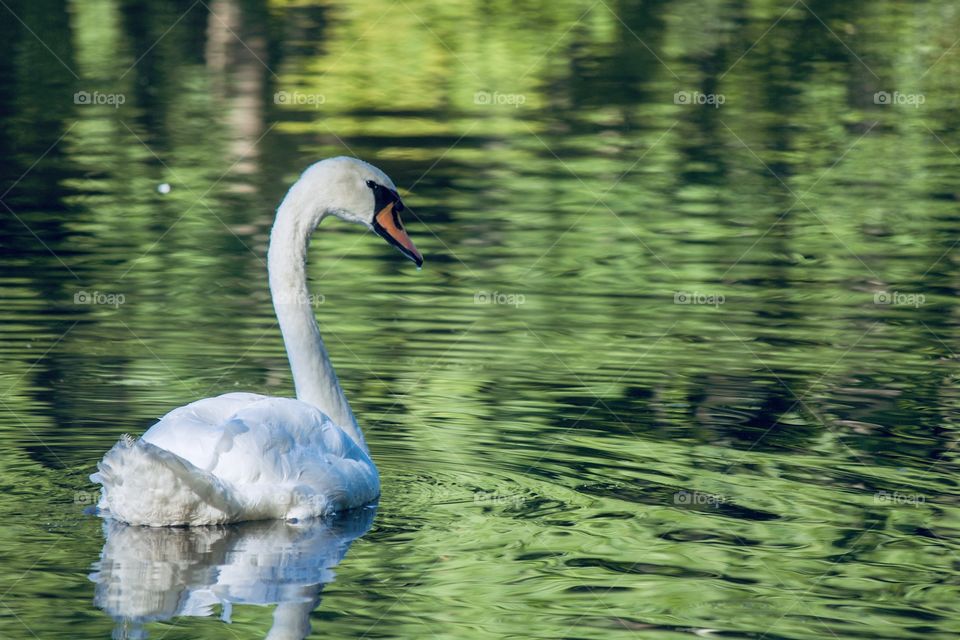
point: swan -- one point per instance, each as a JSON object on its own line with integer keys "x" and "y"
{"x": 245, "y": 456}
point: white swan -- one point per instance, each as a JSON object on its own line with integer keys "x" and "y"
{"x": 244, "y": 456}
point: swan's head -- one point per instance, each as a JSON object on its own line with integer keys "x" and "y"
{"x": 356, "y": 191}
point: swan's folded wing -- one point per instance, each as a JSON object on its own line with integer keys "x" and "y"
{"x": 201, "y": 430}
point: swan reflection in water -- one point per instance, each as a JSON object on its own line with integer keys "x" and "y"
{"x": 147, "y": 574}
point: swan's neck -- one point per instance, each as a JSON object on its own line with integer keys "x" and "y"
{"x": 313, "y": 374}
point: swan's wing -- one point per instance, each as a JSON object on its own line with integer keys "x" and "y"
{"x": 198, "y": 431}
{"x": 270, "y": 457}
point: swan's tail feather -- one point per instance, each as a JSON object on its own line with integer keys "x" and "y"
{"x": 146, "y": 485}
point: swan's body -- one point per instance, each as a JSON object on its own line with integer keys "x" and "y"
{"x": 239, "y": 456}
{"x": 243, "y": 456}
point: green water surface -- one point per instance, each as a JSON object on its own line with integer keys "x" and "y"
{"x": 681, "y": 362}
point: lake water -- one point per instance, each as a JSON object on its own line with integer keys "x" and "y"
{"x": 682, "y": 360}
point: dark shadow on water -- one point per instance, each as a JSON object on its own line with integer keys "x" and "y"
{"x": 150, "y": 574}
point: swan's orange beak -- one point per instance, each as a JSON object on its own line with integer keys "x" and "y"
{"x": 387, "y": 225}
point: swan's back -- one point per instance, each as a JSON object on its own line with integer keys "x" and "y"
{"x": 236, "y": 457}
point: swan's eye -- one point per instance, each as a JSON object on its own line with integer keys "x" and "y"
{"x": 373, "y": 185}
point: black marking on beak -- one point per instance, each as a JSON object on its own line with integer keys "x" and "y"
{"x": 385, "y": 198}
